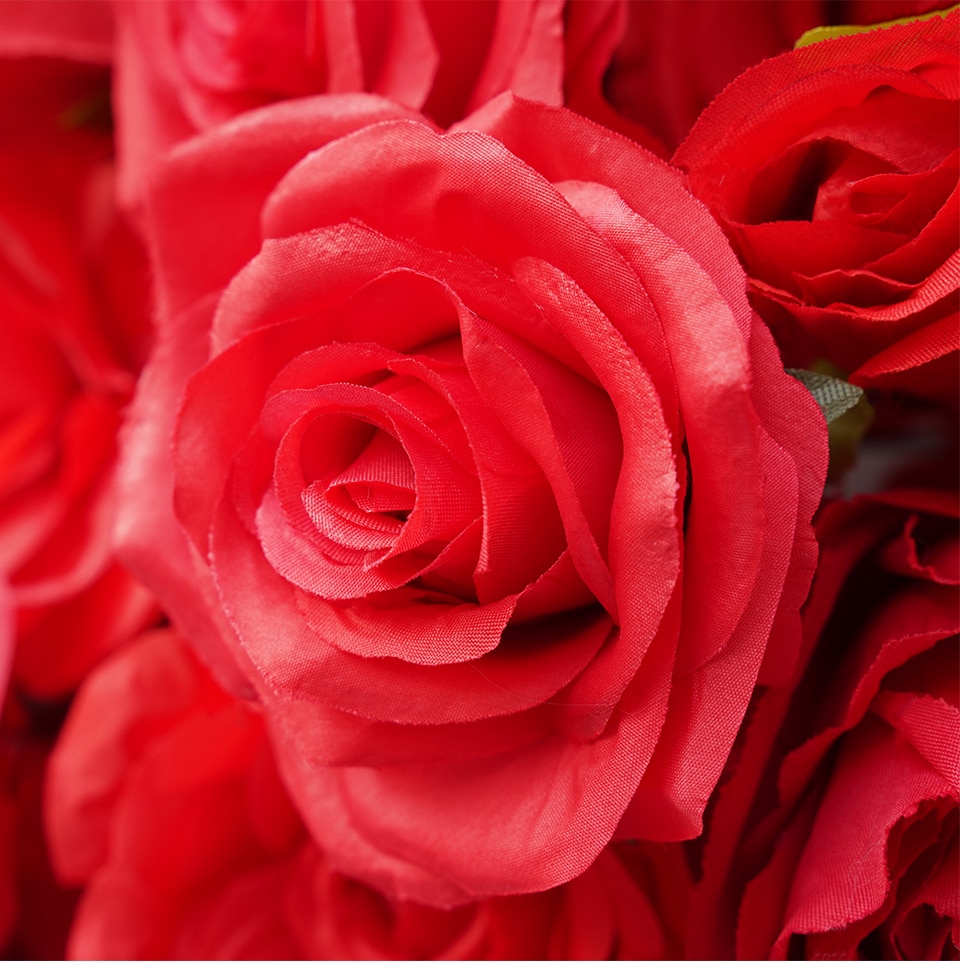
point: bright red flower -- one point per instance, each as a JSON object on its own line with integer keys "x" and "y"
{"x": 833, "y": 170}
{"x": 163, "y": 799}
{"x": 184, "y": 67}
{"x": 74, "y": 301}
{"x": 430, "y": 496}
{"x": 837, "y": 834}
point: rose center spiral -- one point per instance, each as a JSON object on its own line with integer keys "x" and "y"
{"x": 366, "y": 505}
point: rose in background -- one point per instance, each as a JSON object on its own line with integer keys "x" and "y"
{"x": 833, "y": 170}
{"x": 164, "y": 801}
{"x": 836, "y": 834}
{"x": 73, "y": 294}
{"x": 184, "y": 67}
{"x": 430, "y": 496}
{"x": 73, "y": 304}
{"x": 160, "y": 786}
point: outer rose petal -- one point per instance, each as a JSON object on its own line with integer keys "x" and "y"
{"x": 559, "y": 298}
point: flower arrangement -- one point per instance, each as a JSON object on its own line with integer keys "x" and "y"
{"x": 480, "y": 480}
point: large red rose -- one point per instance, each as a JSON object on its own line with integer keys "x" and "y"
{"x": 163, "y": 799}
{"x": 488, "y": 482}
{"x": 74, "y": 302}
{"x": 837, "y": 835}
{"x": 833, "y": 170}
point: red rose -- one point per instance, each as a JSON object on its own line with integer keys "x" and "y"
{"x": 183, "y": 67}
{"x": 73, "y": 299}
{"x": 489, "y": 481}
{"x": 160, "y": 787}
{"x": 855, "y": 853}
{"x": 833, "y": 170}
{"x": 163, "y": 799}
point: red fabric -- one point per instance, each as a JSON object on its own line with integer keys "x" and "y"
{"x": 473, "y": 475}
{"x": 833, "y": 170}
{"x": 164, "y": 803}
{"x": 74, "y": 303}
{"x": 836, "y": 836}
{"x": 431, "y": 477}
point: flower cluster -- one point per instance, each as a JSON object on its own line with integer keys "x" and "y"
{"x": 479, "y": 479}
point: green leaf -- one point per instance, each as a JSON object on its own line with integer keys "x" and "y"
{"x": 834, "y": 396}
{"x": 846, "y": 409}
